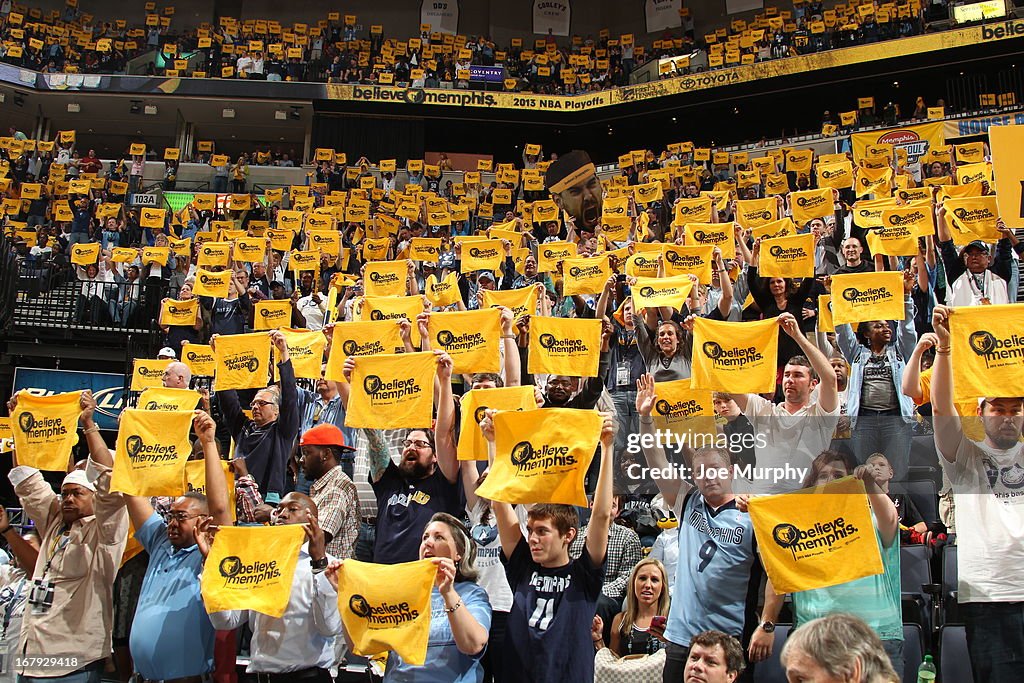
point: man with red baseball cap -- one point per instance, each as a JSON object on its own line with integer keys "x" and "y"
{"x": 320, "y": 455}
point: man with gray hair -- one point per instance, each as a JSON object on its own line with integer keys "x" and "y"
{"x": 177, "y": 375}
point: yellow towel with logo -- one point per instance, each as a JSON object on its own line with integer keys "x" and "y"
{"x": 585, "y": 275}
{"x": 386, "y": 278}
{"x": 471, "y": 338}
{"x": 472, "y": 445}
{"x": 212, "y": 284}
{"x": 393, "y": 308}
{"x": 85, "y": 254}
{"x": 387, "y": 607}
{"x": 425, "y": 249}
{"x": 973, "y": 218}
{"x": 148, "y": 373}
{"x": 251, "y": 568}
{"x": 214, "y": 254}
{"x": 306, "y": 351}
{"x": 442, "y": 293}
{"x": 876, "y": 181}
{"x": 670, "y": 292}
{"x": 817, "y": 537}
{"x": 684, "y": 410}
{"x": 200, "y": 359}
{"x": 361, "y": 339}
{"x": 892, "y": 240}
{"x": 45, "y": 429}
{"x": 643, "y": 264}
{"x": 753, "y": 213}
{"x": 242, "y": 361}
{"x": 825, "y": 323}
{"x": 810, "y": 204}
{"x": 860, "y": 297}
{"x": 482, "y": 255}
{"x": 542, "y": 456}
{"x": 155, "y": 255}
{"x": 250, "y": 249}
{"x": 783, "y": 227}
{"x": 837, "y": 175}
{"x": 683, "y": 260}
{"x": 392, "y": 391}
{"x": 272, "y": 314}
{"x": 719, "y": 235}
{"x": 163, "y": 398}
{"x": 522, "y": 301}
{"x": 974, "y": 173}
{"x": 194, "y": 480}
{"x": 152, "y": 447}
{"x": 175, "y": 313}
{"x": 548, "y": 255}
{"x": 739, "y": 358}
{"x": 791, "y": 256}
{"x": 691, "y": 210}
{"x": 987, "y": 343}
{"x": 564, "y": 346}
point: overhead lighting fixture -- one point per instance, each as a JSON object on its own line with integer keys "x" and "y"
{"x": 281, "y": 115}
{"x": 150, "y": 109}
{"x": 74, "y": 107}
{"x": 228, "y": 113}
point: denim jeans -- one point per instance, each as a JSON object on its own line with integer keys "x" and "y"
{"x": 894, "y": 648}
{"x": 629, "y": 420}
{"x": 883, "y": 432}
{"x": 995, "y": 640}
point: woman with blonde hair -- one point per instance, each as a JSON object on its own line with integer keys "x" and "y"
{"x": 646, "y": 598}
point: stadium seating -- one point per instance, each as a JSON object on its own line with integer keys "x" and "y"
{"x": 954, "y": 660}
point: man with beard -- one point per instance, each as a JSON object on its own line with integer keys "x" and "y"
{"x": 988, "y": 492}
{"x": 572, "y": 179}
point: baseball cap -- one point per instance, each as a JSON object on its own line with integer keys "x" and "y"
{"x": 166, "y": 352}
{"x": 486, "y": 274}
{"x": 976, "y": 243}
{"x": 324, "y": 435}
{"x": 78, "y": 477}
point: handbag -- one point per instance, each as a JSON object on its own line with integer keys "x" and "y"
{"x": 610, "y": 668}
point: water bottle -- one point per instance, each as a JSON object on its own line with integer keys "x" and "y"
{"x": 926, "y": 672}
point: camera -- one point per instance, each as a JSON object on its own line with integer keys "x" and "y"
{"x": 41, "y": 596}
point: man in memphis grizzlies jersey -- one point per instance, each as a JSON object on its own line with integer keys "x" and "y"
{"x": 718, "y": 575}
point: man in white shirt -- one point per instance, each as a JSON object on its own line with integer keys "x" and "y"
{"x": 988, "y": 492}
{"x": 788, "y": 436}
{"x": 243, "y": 64}
{"x": 300, "y": 644}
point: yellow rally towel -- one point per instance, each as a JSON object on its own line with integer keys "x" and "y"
{"x": 973, "y": 218}
{"x": 387, "y": 607}
{"x": 799, "y": 160}
{"x": 825, "y": 323}
{"x": 892, "y": 239}
{"x": 683, "y": 260}
{"x": 817, "y": 537}
{"x": 867, "y": 213}
{"x": 162, "y": 398}
{"x": 655, "y": 292}
{"x": 974, "y": 173}
{"x": 647, "y": 193}
{"x": 522, "y": 301}
{"x": 810, "y": 204}
{"x": 712, "y": 235}
{"x": 564, "y": 346}
{"x": 471, "y": 338}
{"x": 306, "y": 350}
{"x": 155, "y": 255}
{"x": 250, "y": 249}
{"x": 443, "y": 293}
{"x": 199, "y": 359}
{"x": 85, "y": 254}
{"x": 736, "y": 357}
{"x": 45, "y": 429}
{"x": 242, "y": 361}
{"x": 684, "y": 410}
{"x": 877, "y": 181}
{"x": 542, "y": 456}
{"x": 692, "y": 210}
{"x": 425, "y": 249}
{"x": 837, "y": 175}
{"x": 194, "y": 479}
{"x": 472, "y": 445}
{"x": 386, "y": 278}
{"x": 179, "y": 313}
{"x": 548, "y": 255}
{"x": 585, "y": 275}
{"x": 791, "y": 256}
{"x": 152, "y": 447}
{"x": 251, "y": 568}
{"x": 643, "y": 264}
{"x": 988, "y": 351}
{"x": 394, "y": 308}
{"x": 148, "y": 373}
{"x": 482, "y": 255}
{"x": 361, "y": 339}
{"x": 212, "y": 284}
{"x": 969, "y": 153}
{"x": 860, "y": 297}
{"x": 392, "y": 391}
{"x": 272, "y": 314}
{"x": 213, "y": 254}
{"x": 753, "y": 213}
{"x": 780, "y": 228}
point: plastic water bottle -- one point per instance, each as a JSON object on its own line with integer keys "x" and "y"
{"x": 926, "y": 672}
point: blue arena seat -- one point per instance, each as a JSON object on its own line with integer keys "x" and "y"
{"x": 954, "y": 660}
{"x": 951, "y": 613}
{"x": 913, "y": 650}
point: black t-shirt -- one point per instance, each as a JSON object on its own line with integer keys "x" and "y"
{"x": 404, "y": 507}
{"x": 547, "y": 639}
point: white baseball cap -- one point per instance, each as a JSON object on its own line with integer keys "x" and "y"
{"x": 166, "y": 352}
{"x": 78, "y": 477}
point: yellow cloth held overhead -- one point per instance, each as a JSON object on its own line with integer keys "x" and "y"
{"x": 387, "y": 607}
{"x": 987, "y": 343}
{"x": 548, "y": 255}
{"x": 85, "y": 254}
{"x": 791, "y": 256}
{"x": 684, "y": 410}
{"x": 877, "y": 181}
{"x": 816, "y": 537}
{"x": 683, "y": 260}
{"x": 521, "y": 301}
{"x": 443, "y": 293}
{"x": 251, "y": 568}
{"x": 212, "y": 284}
{"x": 200, "y": 359}
{"x": 361, "y": 339}
{"x": 148, "y": 373}
{"x": 753, "y": 213}
{"x": 825, "y": 323}
{"x": 482, "y": 255}
{"x": 719, "y": 235}
{"x": 807, "y": 205}
{"x": 386, "y": 278}
{"x": 242, "y": 361}
{"x": 194, "y": 479}
{"x": 272, "y": 314}
{"x": 838, "y": 175}
{"x": 179, "y": 313}
{"x": 670, "y": 292}
{"x": 472, "y": 445}
{"x": 392, "y": 391}
{"x": 214, "y": 254}
{"x": 736, "y": 357}
{"x": 781, "y": 228}
{"x": 690, "y": 210}
{"x": 152, "y": 447}
{"x": 306, "y": 351}
{"x": 973, "y": 218}
{"x": 542, "y": 456}
{"x": 45, "y": 428}
{"x": 585, "y": 275}
{"x": 163, "y": 398}
{"x": 564, "y": 346}
{"x": 471, "y": 338}
{"x": 861, "y": 297}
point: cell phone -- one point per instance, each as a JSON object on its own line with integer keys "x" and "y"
{"x": 658, "y": 622}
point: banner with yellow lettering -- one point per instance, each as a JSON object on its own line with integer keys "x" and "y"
{"x": 148, "y": 373}
{"x": 522, "y": 301}
{"x": 251, "y": 568}
{"x": 306, "y": 351}
{"x": 361, "y": 339}
{"x": 387, "y": 607}
{"x": 472, "y": 445}
{"x": 164, "y": 398}
{"x": 386, "y": 278}
{"x": 152, "y": 447}
{"x": 973, "y": 218}
{"x": 683, "y": 260}
{"x": 736, "y": 357}
{"x": 200, "y": 359}
{"x": 212, "y": 284}
{"x": 542, "y": 456}
{"x": 443, "y": 293}
{"x": 719, "y": 235}
{"x": 272, "y": 314}
{"x": 791, "y": 256}
{"x": 392, "y": 391}
{"x": 45, "y": 429}
{"x": 175, "y": 313}
{"x": 861, "y": 297}
{"x": 471, "y": 338}
{"x": 809, "y": 543}
{"x": 564, "y": 346}
{"x": 585, "y": 275}
{"x": 810, "y": 204}
{"x": 85, "y": 254}
{"x": 987, "y": 343}
{"x": 655, "y": 292}
{"x": 683, "y": 410}
{"x": 242, "y": 361}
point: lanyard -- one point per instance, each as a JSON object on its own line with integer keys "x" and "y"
{"x": 58, "y": 544}
{"x": 11, "y": 604}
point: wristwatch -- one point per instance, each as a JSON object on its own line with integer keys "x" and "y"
{"x": 318, "y": 564}
{"x": 768, "y": 626}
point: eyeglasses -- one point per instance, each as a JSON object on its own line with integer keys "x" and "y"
{"x": 418, "y": 443}
{"x": 260, "y": 404}
{"x": 180, "y": 517}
